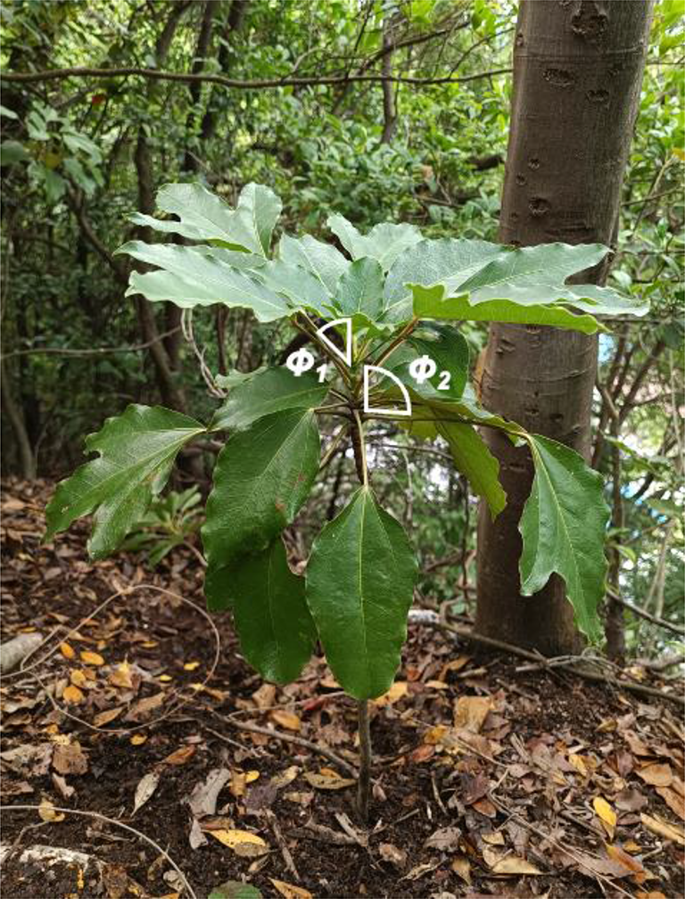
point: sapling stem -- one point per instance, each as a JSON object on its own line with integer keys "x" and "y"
{"x": 364, "y": 782}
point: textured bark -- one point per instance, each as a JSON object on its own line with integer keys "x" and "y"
{"x": 27, "y": 460}
{"x": 190, "y": 161}
{"x": 578, "y": 67}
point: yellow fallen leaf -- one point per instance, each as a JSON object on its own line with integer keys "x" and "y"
{"x": 191, "y": 666}
{"x": 138, "y": 739}
{"x": 67, "y": 651}
{"x": 435, "y": 735}
{"x": 657, "y": 775}
{"x": 78, "y": 677}
{"x": 606, "y": 815}
{"x": 180, "y": 756}
{"x": 108, "y": 716}
{"x": 289, "y": 720}
{"x": 149, "y": 644}
{"x": 496, "y": 838}
{"x": 578, "y": 763}
{"x": 617, "y": 854}
{"x": 663, "y": 828}
{"x": 327, "y": 781}
{"x": 251, "y": 776}
{"x": 165, "y": 678}
{"x": 462, "y": 868}
{"x": 91, "y": 658}
{"x": 72, "y": 695}
{"x": 47, "y": 812}
{"x": 512, "y": 865}
{"x": 122, "y": 676}
{"x": 396, "y": 691}
{"x": 241, "y": 841}
{"x": 436, "y": 685}
{"x": 289, "y": 891}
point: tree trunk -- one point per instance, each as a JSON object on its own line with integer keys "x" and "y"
{"x": 578, "y": 68}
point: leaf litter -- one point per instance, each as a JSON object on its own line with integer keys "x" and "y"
{"x": 488, "y": 781}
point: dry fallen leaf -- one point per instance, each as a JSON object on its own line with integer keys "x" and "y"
{"x": 663, "y": 828}
{"x": 289, "y": 891}
{"x": 146, "y": 787}
{"x": 78, "y": 677}
{"x": 69, "y": 759}
{"x": 72, "y": 695}
{"x": 511, "y": 865}
{"x": 288, "y": 720}
{"x": 138, "y": 739}
{"x": 285, "y": 777}
{"x": 606, "y": 815}
{"x": 204, "y": 797}
{"x": 390, "y": 853}
{"x": 180, "y": 756}
{"x": 242, "y": 842}
{"x": 619, "y": 855}
{"x": 144, "y": 706}
{"x": 47, "y": 812}
{"x": 657, "y": 775}
{"x": 327, "y": 781}
{"x": 470, "y": 712}
{"x": 107, "y": 717}
{"x": 91, "y": 658}
{"x": 191, "y": 666}
{"x": 122, "y": 676}
{"x": 673, "y": 800}
{"x": 462, "y": 868}
{"x": 396, "y": 691}
{"x": 446, "y": 839}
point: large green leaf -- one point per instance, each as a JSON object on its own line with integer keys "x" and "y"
{"x": 321, "y": 259}
{"x": 360, "y": 289}
{"x": 195, "y": 276}
{"x": 445, "y": 261}
{"x": 137, "y": 451}
{"x": 261, "y": 479}
{"x": 360, "y": 580}
{"x": 274, "y": 625}
{"x": 429, "y": 302}
{"x": 452, "y": 278}
{"x": 475, "y": 461}
{"x": 272, "y": 390}
{"x": 563, "y": 528}
{"x": 205, "y": 216}
{"x": 298, "y": 284}
{"x": 384, "y": 242}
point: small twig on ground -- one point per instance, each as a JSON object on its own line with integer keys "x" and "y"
{"x": 98, "y": 817}
{"x": 282, "y": 845}
{"x": 288, "y": 738}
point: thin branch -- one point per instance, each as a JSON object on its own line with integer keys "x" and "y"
{"x": 222, "y": 81}
{"x": 100, "y": 351}
{"x": 642, "y": 613}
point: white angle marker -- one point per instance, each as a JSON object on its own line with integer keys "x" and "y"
{"x": 347, "y": 355}
{"x": 381, "y": 409}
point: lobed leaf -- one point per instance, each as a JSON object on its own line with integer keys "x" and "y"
{"x": 384, "y": 242}
{"x": 136, "y": 453}
{"x": 205, "y": 216}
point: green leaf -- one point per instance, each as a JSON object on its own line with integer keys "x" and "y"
{"x": 450, "y": 352}
{"x": 272, "y": 390}
{"x": 360, "y": 289}
{"x": 12, "y": 151}
{"x": 196, "y": 276}
{"x": 321, "y": 259}
{"x": 447, "y": 262}
{"x": 205, "y": 216}
{"x": 300, "y": 286}
{"x": 384, "y": 242}
{"x": 452, "y": 278}
{"x": 360, "y": 581}
{"x": 563, "y": 528}
{"x": 235, "y": 889}
{"x": 475, "y": 461}
{"x": 274, "y": 626}
{"x": 429, "y": 303}
{"x": 261, "y": 479}
{"x": 137, "y": 451}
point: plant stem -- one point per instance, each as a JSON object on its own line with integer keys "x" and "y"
{"x": 401, "y": 337}
{"x": 360, "y": 450}
{"x": 364, "y": 782}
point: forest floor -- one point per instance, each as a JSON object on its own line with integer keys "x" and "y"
{"x": 135, "y": 728}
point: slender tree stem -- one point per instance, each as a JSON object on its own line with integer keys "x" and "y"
{"x": 364, "y": 782}
{"x": 401, "y": 337}
{"x": 360, "y": 451}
